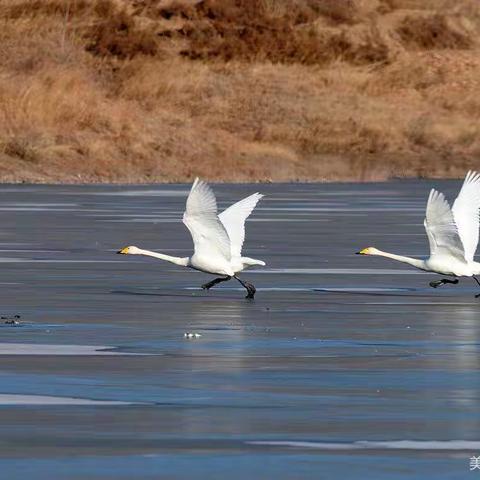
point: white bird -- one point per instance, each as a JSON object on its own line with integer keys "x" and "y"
{"x": 452, "y": 234}
{"x": 217, "y": 239}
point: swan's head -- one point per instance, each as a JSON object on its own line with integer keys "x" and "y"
{"x": 369, "y": 251}
{"x": 129, "y": 251}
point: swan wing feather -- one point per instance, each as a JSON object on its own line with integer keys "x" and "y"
{"x": 208, "y": 233}
{"x": 441, "y": 228}
{"x": 233, "y": 219}
{"x": 466, "y": 213}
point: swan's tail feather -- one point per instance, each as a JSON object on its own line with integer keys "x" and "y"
{"x": 252, "y": 261}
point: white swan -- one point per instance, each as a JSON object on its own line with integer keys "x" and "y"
{"x": 452, "y": 234}
{"x": 217, "y": 239}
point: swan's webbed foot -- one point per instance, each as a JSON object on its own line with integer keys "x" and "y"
{"x": 443, "y": 281}
{"x": 209, "y": 285}
{"x": 478, "y": 283}
{"x": 249, "y": 287}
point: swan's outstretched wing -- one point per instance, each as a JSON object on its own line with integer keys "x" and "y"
{"x": 441, "y": 228}
{"x": 210, "y": 238}
{"x": 465, "y": 212}
{"x": 233, "y": 219}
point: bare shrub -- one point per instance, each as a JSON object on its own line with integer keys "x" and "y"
{"x": 338, "y": 11}
{"x": 359, "y": 49}
{"x": 21, "y": 147}
{"x": 246, "y": 30}
{"x": 433, "y": 32}
{"x": 118, "y": 34}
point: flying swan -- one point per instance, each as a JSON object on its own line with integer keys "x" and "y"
{"x": 452, "y": 235}
{"x": 217, "y": 238}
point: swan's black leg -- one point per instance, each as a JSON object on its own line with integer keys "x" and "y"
{"x": 476, "y": 279}
{"x": 249, "y": 287}
{"x": 209, "y": 285}
{"x": 443, "y": 281}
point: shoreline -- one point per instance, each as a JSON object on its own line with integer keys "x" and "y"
{"x": 319, "y": 169}
{"x": 228, "y": 182}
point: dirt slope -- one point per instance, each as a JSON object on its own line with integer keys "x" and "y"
{"x": 240, "y": 90}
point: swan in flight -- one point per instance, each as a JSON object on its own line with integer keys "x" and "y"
{"x": 217, "y": 238}
{"x": 452, "y": 235}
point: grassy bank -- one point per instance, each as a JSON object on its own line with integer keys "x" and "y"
{"x": 238, "y": 90}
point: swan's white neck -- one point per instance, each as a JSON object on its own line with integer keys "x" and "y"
{"x": 414, "y": 262}
{"x": 183, "y": 261}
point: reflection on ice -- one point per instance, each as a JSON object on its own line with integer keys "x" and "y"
{"x": 364, "y": 289}
{"x": 52, "y": 260}
{"x": 338, "y": 271}
{"x": 144, "y": 193}
{"x": 45, "y": 349}
{"x": 463, "y": 445}
{"x": 13, "y": 399}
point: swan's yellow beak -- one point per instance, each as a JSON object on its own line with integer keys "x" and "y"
{"x": 124, "y": 251}
{"x": 365, "y": 251}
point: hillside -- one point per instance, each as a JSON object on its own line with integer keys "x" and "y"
{"x": 238, "y": 90}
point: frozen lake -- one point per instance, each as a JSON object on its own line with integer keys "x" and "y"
{"x": 343, "y": 367}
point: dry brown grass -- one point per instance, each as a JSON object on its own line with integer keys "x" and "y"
{"x": 160, "y": 90}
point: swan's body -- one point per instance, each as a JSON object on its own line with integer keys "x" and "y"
{"x": 217, "y": 239}
{"x": 452, "y": 234}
